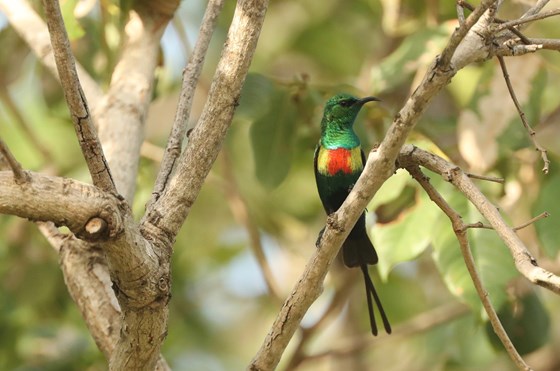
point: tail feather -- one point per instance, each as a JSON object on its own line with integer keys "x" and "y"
{"x": 358, "y": 249}
{"x": 370, "y": 291}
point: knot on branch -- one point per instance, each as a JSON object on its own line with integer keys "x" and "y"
{"x": 96, "y": 229}
{"x": 163, "y": 284}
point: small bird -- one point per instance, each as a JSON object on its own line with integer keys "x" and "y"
{"x": 338, "y": 163}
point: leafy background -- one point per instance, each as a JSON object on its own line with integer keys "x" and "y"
{"x": 308, "y": 50}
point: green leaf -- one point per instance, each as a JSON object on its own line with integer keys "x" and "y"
{"x": 547, "y": 229}
{"x": 272, "y": 138}
{"x": 256, "y": 97}
{"x": 391, "y": 189}
{"x": 73, "y": 27}
{"x": 407, "y": 237}
{"x": 493, "y": 261}
{"x": 526, "y": 322}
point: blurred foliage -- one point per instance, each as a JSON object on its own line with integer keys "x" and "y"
{"x": 308, "y": 50}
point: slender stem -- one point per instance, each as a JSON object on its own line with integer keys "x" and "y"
{"x": 488, "y": 178}
{"x": 530, "y": 18}
{"x": 20, "y": 177}
{"x": 532, "y": 220}
{"x": 528, "y": 127}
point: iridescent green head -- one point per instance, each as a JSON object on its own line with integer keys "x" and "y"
{"x": 338, "y": 118}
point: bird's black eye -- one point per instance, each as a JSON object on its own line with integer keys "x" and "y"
{"x": 346, "y": 102}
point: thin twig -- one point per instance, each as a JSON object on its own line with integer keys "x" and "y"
{"x": 76, "y": 100}
{"x": 460, "y": 232}
{"x": 532, "y": 220}
{"x": 531, "y": 18}
{"x": 485, "y": 177}
{"x": 191, "y": 75}
{"x": 20, "y": 176}
{"x": 479, "y": 225}
{"x": 528, "y": 127}
{"x": 521, "y": 226}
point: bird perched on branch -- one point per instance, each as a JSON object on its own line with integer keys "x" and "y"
{"x": 339, "y": 161}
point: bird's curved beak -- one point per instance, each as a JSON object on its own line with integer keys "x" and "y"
{"x": 368, "y": 99}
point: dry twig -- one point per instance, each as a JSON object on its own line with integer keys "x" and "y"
{"x": 528, "y": 127}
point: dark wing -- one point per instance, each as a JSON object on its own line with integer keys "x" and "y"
{"x": 363, "y": 157}
{"x": 315, "y": 157}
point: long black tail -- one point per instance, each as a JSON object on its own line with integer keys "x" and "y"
{"x": 370, "y": 291}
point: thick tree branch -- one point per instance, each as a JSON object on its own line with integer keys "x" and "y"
{"x": 34, "y": 31}
{"x": 76, "y": 100}
{"x": 63, "y": 201}
{"x": 171, "y": 209}
{"x": 191, "y": 75}
{"x": 121, "y": 115}
{"x": 379, "y": 167}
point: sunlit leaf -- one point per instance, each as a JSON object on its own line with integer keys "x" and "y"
{"x": 73, "y": 27}
{"x": 406, "y": 237}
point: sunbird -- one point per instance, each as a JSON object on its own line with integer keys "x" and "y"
{"x": 338, "y": 163}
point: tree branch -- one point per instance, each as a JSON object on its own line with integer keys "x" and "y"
{"x": 524, "y": 261}
{"x": 170, "y": 211}
{"x": 191, "y": 75}
{"x": 63, "y": 201}
{"x": 76, "y": 100}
